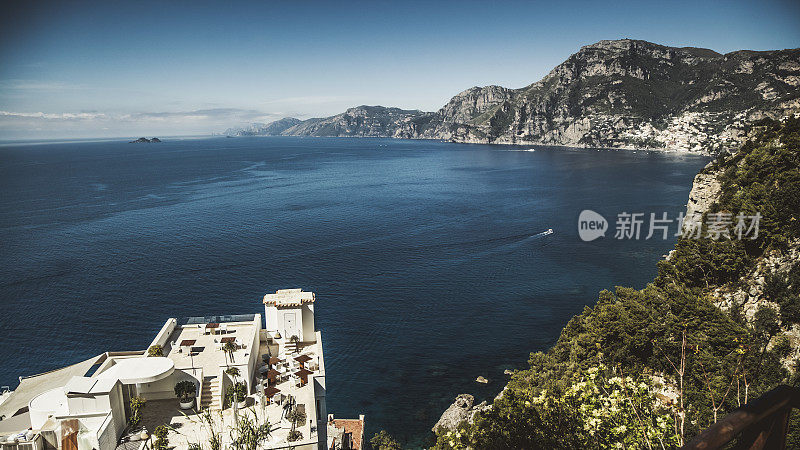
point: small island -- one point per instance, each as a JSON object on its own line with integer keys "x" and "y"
{"x": 145, "y": 140}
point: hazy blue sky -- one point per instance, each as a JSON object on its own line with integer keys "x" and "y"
{"x": 124, "y": 68}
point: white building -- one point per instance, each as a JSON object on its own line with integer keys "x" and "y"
{"x": 88, "y": 403}
{"x": 290, "y": 313}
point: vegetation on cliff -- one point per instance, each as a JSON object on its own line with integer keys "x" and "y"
{"x": 697, "y": 360}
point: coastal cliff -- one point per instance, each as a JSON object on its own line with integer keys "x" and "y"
{"x": 633, "y": 94}
{"x": 732, "y": 305}
{"x": 617, "y": 94}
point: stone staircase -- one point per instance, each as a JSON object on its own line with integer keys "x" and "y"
{"x": 210, "y": 395}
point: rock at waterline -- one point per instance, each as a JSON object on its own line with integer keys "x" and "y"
{"x": 461, "y": 409}
{"x": 481, "y": 379}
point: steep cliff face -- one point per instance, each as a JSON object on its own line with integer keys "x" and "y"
{"x": 631, "y": 93}
{"x": 755, "y": 288}
{"x": 619, "y": 94}
{"x": 464, "y": 115}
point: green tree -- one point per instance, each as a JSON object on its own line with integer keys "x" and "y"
{"x": 382, "y": 440}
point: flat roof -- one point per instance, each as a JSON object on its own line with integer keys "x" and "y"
{"x": 32, "y": 386}
{"x": 79, "y": 385}
{"x": 139, "y": 370}
{"x": 289, "y": 297}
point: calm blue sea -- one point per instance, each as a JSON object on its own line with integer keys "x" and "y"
{"x": 425, "y": 256}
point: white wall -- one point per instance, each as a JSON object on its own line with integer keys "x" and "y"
{"x": 303, "y": 321}
{"x": 107, "y": 436}
{"x": 291, "y": 322}
{"x": 117, "y": 410}
{"x": 224, "y": 382}
{"x": 165, "y": 388}
{"x": 308, "y": 323}
{"x": 88, "y": 404}
{"x": 271, "y": 316}
{"x": 255, "y": 350}
{"x": 163, "y": 335}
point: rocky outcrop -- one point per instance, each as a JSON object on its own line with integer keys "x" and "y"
{"x": 619, "y": 94}
{"x": 462, "y": 409}
{"x": 748, "y": 293}
{"x": 705, "y": 191}
{"x": 144, "y": 140}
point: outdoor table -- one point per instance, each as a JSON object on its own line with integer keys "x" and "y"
{"x": 269, "y": 392}
{"x": 303, "y": 374}
{"x": 303, "y": 359}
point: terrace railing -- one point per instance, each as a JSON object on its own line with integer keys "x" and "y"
{"x": 761, "y": 424}
{"x": 218, "y": 319}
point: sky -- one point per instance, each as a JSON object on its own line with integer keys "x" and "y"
{"x": 128, "y": 68}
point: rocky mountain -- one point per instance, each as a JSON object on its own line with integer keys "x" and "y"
{"x": 620, "y": 94}
{"x": 259, "y": 129}
{"x": 364, "y": 121}
{"x": 629, "y": 93}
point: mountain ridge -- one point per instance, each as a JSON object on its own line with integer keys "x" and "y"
{"x": 613, "y": 93}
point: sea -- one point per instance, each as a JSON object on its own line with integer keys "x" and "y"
{"x": 431, "y": 261}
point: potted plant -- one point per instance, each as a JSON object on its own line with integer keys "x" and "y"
{"x": 185, "y": 391}
{"x": 237, "y": 392}
{"x": 155, "y": 350}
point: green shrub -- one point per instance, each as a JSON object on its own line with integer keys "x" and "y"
{"x": 239, "y": 390}
{"x": 161, "y": 442}
{"x": 382, "y": 440}
{"x": 136, "y": 405}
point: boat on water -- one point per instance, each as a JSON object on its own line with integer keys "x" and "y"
{"x": 548, "y": 231}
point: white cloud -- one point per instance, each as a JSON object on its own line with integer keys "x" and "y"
{"x": 36, "y": 85}
{"x": 51, "y": 116}
{"x": 19, "y": 124}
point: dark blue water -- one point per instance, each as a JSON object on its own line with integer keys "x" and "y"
{"x": 424, "y": 256}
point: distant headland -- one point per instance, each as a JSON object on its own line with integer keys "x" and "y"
{"x": 144, "y": 140}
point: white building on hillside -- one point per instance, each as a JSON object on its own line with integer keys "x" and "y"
{"x": 281, "y": 366}
{"x": 290, "y": 313}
